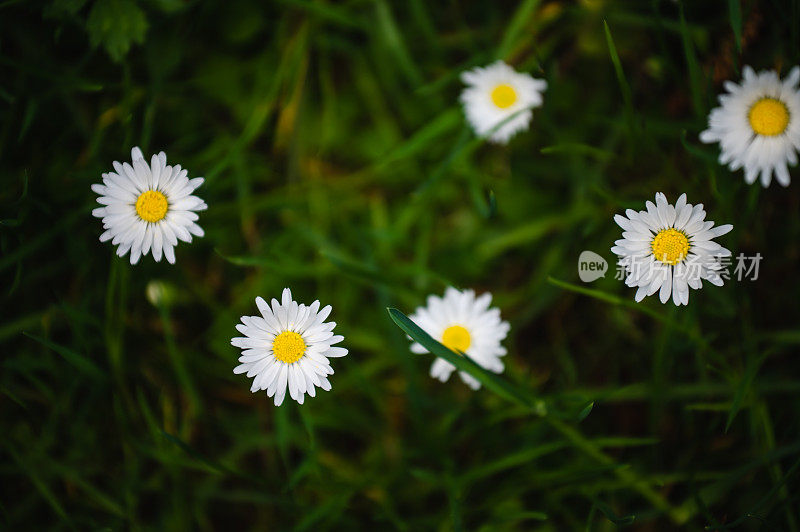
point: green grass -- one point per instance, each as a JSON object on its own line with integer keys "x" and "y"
{"x": 338, "y": 162}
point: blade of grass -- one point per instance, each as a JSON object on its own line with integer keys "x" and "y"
{"x": 625, "y": 474}
{"x": 513, "y": 394}
{"x": 743, "y": 388}
{"x": 209, "y": 465}
{"x": 516, "y": 27}
{"x": 185, "y": 380}
{"x": 512, "y": 460}
{"x": 527, "y": 456}
{"x": 576, "y": 148}
{"x": 42, "y": 239}
{"x": 696, "y": 80}
{"x": 524, "y": 516}
{"x": 761, "y": 502}
{"x": 735, "y": 16}
{"x": 421, "y": 139}
{"x": 703, "y": 154}
{"x": 329, "y": 12}
{"x": 529, "y": 233}
{"x": 607, "y": 511}
{"x": 616, "y": 300}
{"x": 80, "y": 362}
{"x": 40, "y": 485}
{"x": 388, "y": 30}
{"x": 455, "y": 498}
{"x": 627, "y": 99}
{"x": 462, "y": 362}
{"x": 13, "y": 328}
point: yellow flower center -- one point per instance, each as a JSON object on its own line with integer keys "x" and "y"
{"x": 504, "y": 96}
{"x": 151, "y": 206}
{"x": 456, "y": 338}
{"x": 670, "y": 246}
{"x": 288, "y": 347}
{"x": 769, "y": 117}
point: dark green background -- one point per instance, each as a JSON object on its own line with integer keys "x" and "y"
{"x": 338, "y": 163}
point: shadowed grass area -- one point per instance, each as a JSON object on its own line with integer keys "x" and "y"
{"x": 338, "y": 163}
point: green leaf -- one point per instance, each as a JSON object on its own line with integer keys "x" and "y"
{"x": 116, "y": 25}
{"x": 462, "y": 362}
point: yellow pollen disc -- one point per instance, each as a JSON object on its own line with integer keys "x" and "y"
{"x": 670, "y": 246}
{"x": 504, "y": 96}
{"x": 456, "y": 338}
{"x": 769, "y": 117}
{"x": 288, "y": 347}
{"x": 151, "y": 206}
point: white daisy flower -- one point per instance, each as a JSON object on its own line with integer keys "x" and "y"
{"x": 148, "y": 207}
{"x": 669, "y": 249}
{"x": 495, "y": 93}
{"x": 287, "y": 346}
{"x": 758, "y": 125}
{"x": 464, "y": 324}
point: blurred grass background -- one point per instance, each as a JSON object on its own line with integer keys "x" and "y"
{"x": 338, "y": 162}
